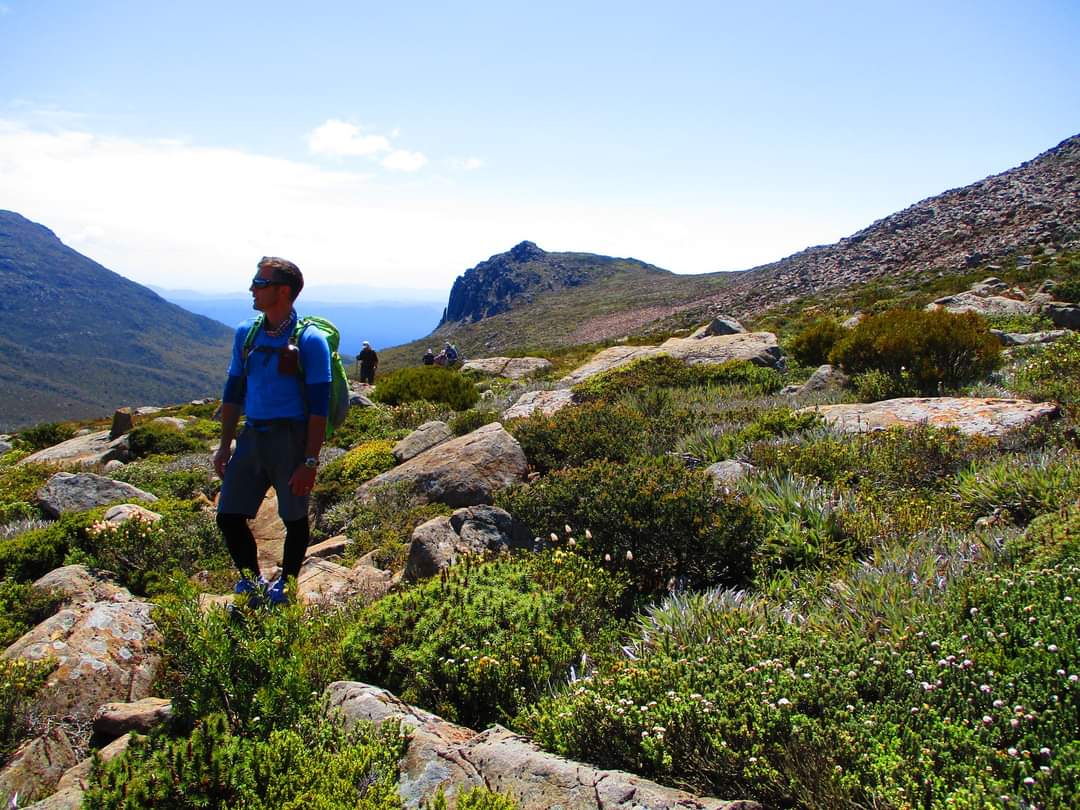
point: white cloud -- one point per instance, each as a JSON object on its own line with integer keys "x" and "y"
{"x": 401, "y": 160}
{"x": 470, "y": 164}
{"x": 341, "y": 139}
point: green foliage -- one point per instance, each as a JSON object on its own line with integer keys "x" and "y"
{"x": 1048, "y": 538}
{"x": 155, "y": 438}
{"x": 484, "y": 639}
{"x": 22, "y": 607}
{"x": 18, "y": 485}
{"x": 576, "y": 435}
{"x": 1019, "y": 323}
{"x": 934, "y": 347}
{"x": 339, "y": 478}
{"x": 365, "y": 424}
{"x": 660, "y": 522}
{"x": 1021, "y": 487}
{"x": 317, "y": 764}
{"x": 1051, "y": 374}
{"x": 429, "y": 383}
{"x": 717, "y": 444}
{"x": 803, "y": 526}
{"x": 144, "y": 554}
{"x": 263, "y": 668}
{"x": 876, "y": 385}
{"x": 474, "y": 799}
{"x": 19, "y": 681}
{"x": 811, "y": 346}
{"x": 969, "y": 700}
{"x": 1068, "y": 291}
{"x": 664, "y": 371}
{"x": 182, "y": 478}
{"x": 44, "y": 435}
{"x": 36, "y": 552}
{"x": 470, "y": 420}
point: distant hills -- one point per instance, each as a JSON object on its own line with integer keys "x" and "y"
{"x": 528, "y": 298}
{"x": 79, "y": 340}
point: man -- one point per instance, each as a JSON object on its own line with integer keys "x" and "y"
{"x": 369, "y": 361}
{"x": 429, "y": 357}
{"x": 284, "y": 390}
{"x": 451, "y": 352}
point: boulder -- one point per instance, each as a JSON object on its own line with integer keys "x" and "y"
{"x": 72, "y": 785}
{"x": 438, "y": 543}
{"x": 78, "y": 585}
{"x": 730, "y": 472}
{"x": 1063, "y": 315}
{"x": 122, "y": 422}
{"x": 461, "y": 472}
{"x": 105, "y": 651}
{"x": 759, "y": 348}
{"x": 5, "y": 446}
{"x": 718, "y": 326}
{"x": 334, "y": 547}
{"x": 989, "y": 286}
{"x": 269, "y": 532}
{"x": 1028, "y": 338}
{"x": 171, "y": 421}
{"x": 515, "y": 368}
{"x": 984, "y": 305}
{"x": 853, "y": 321}
{"x": 82, "y": 451}
{"x": 114, "y": 719}
{"x": 36, "y": 767}
{"x": 423, "y": 438}
{"x": 123, "y": 512}
{"x": 824, "y": 378}
{"x": 452, "y": 758}
{"x": 969, "y": 415}
{"x": 148, "y": 410}
{"x": 76, "y": 492}
{"x": 322, "y": 582}
{"x": 546, "y": 402}
{"x": 607, "y": 359}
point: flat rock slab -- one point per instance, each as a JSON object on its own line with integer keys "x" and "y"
{"x": 759, "y": 348}
{"x": 423, "y": 438}
{"x": 607, "y": 359}
{"x": 515, "y": 368}
{"x": 82, "y": 451}
{"x": 114, "y": 720}
{"x": 104, "y": 651}
{"x": 545, "y": 402}
{"x": 76, "y": 492}
{"x": 969, "y": 415}
{"x": 445, "y": 756}
{"x": 982, "y": 304}
{"x": 464, "y": 471}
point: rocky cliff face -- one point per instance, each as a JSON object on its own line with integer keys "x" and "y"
{"x": 517, "y": 276}
{"x": 1036, "y": 204}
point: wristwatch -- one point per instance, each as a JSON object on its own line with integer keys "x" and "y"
{"x": 311, "y": 462}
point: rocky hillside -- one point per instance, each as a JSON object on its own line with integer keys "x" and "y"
{"x": 79, "y": 340}
{"x": 527, "y": 297}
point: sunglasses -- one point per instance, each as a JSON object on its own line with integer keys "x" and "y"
{"x": 260, "y": 283}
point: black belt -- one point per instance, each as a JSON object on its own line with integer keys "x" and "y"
{"x": 264, "y": 425}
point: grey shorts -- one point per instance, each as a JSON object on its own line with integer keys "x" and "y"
{"x": 264, "y": 459}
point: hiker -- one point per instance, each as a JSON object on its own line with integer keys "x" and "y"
{"x": 286, "y": 424}
{"x": 451, "y": 353}
{"x": 368, "y": 361}
{"x": 429, "y": 357}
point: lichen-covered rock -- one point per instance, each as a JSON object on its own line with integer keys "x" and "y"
{"x": 76, "y": 492}
{"x": 607, "y": 359}
{"x": 116, "y": 719}
{"x": 759, "y": 348}
{"x": 423, "y": 438}
{"x": 72, "y": 785}
{"x": 461, "y": 472}
{"x": 545, "y": 402}
{"x": 982, "y": 304}
{"x": 440, "y": 542}
{"x": 82, "y": 451}
{"x": 322, "y": 582}
{"x": 36, "y": 768}
{"x": 78, "y": 585}
{"x": 970, "y": 415}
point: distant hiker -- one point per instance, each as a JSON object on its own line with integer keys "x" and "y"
{"x": 285, "y": 428}
{"x": 369, "y": 361}
{"x": 429, "y": 357}
{"x": 451, "y": 353}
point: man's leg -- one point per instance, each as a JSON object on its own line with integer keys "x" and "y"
{"x": 240, "y": 542}
{"x": 242, "y": 492}
{"x": 297, "y": 537}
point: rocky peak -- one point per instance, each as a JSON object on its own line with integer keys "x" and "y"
{"x": 526, "y": 251}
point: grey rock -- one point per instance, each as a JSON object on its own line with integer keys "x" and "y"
{"x": 728, "y": 473}
{"x": 1028, "y": 338}
{"x": 515, "y": 368}
{"x": 82, "y": 451}
{"x": 78, "y": 585}
{"x": 148, "y": 410}
{"x": 969, "y": 415}
{"x": 333, "y": 547}
{"x": 989, "y": 286}
{"x": 76, "y": 492}
{"x": 440, "y": 542}
{"x": 545, "y": 402}
{"x": 122, "y": 422}
{"x": 983, "y": 305}
{"x": 607, "y": 359}
{"x": 123, "y": 512}
{"x": 5, "y": 446}
{"x": 759, "y": 348}
{"x": 72, "y": 785}
{"x": 36, "y": 767}
{"x": 423, "y": 438}
{"x": 824, "y": 378}
{"x": 718, "y": 326}
{"x": 1063, "y": 315}
{"x": 116, "y": 719}
{"x": 171, "y": 421}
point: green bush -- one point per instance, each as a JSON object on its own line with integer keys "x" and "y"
{"x": 484, "y": 639}
{"x": 664, "y": 371}
{"x": 182, "y": 478}
{"x": 468, "y": 421}
{"x": 156, "y": 438}
{"x": 876, "y": 385}
{"x": 263, "y": 668}
{"x": 1051, "y": 374}
{"x": 811, "y": 346}
{"x": 35, "y": 553}
{"x": 316, "y": 764}
{"x": 19, "y": 681}
{"x": 936, "y": 348}
{"x": 44, "y": 435}
{"x": 366, "y": 424}
{"x": 1068, "y": 291}
{"x": 429, "y": 383}
{"x": 340, "y": 477}
{"x": 1022, "y": 487}
{"x": 474, "y": 799}
{"x": 1018, "y": 323}
{"x": 576, "y": 435}
{"x": 19, "y": 484}
{"x": 22, "y": 607}
{"x": 660, "y": 522}
{"x": 716, "y": 444}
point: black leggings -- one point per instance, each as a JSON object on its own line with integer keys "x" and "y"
{"x": 241, "y": 544}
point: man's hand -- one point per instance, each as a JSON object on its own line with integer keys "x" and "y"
{"x": 221, "y": 459}
{"x": 302, "y": 480}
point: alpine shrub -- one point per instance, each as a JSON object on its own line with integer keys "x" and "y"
{"x": 664, "y": 371}
{"x": 479, "y": 642}
{"x": 156, "y": 438}
{"x": 430, "y": 383}
{"x": 35, "y": 553}
{"x": 19, "y": 681}
{"x": 164, "y": 477}
{"x": 340, "y": 477}
{"x": 22, "y": 606}
{"x": 1022, "y": 487}
{"x": 1051, "y": 374}
{"x": 44, "y": 435}
{"x": 812, "y": 345}
{"x": 18, "y": 485}
{"x": 576, "y": 435}
{"x": 468, "y": 421}
{"x": 937, "y": 348}
{"x": 663, "y": 524}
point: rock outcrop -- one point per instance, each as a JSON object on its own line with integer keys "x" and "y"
{"x": 969, "y": 415}
{"x": 440, "y": 542}
{"x": 464, "y": 471}
{"x": 36, "y": 768}
{"x": 514, "y": 368}
{"x": 546, "y": 402}
{"x": 76, "y": 492}
{"x": 423, "y": 438}
{"x": 444, "y": 756}
{"x": 83, "y": 451}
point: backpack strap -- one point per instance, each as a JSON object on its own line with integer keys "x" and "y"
{"x": 249, "y": 340}
{"x": 294, "y": 340}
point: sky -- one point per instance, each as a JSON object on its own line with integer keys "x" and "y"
{"x": 397, "y": 145}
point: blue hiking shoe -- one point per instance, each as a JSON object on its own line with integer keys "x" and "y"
{"x": 275, "y": 594}
{"x": 254, "y": 591}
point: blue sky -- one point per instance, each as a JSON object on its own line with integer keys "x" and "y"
{"x": 397, "y": 146}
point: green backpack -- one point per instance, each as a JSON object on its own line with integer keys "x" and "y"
{"x": 339, "y": 383}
